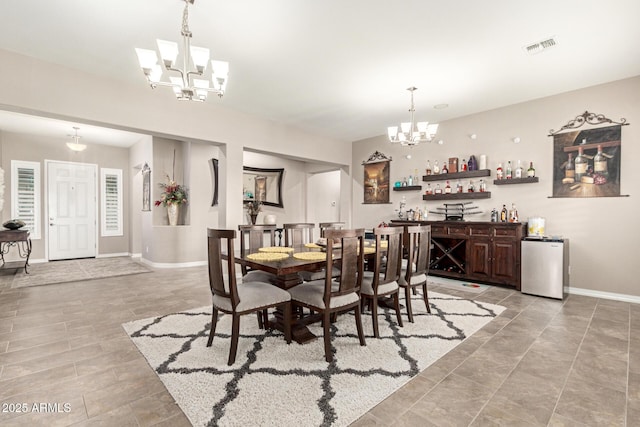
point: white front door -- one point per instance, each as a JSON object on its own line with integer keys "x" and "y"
{"x": 71, "y": 193}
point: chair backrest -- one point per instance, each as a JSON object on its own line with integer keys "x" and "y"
{"x": 351, "y": 247}
{"x": 330, "y": 226}
{"x": 393, "y": 267}
{"x": 297, "y": 234}
{"x": 252, "y": 238}
{"x": 419, "y": 253}
{"x": 215, "y": 240}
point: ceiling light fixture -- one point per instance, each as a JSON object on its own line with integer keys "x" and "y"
{"x": 185, "y": 85}
{"x": 412, "y": 133}
{"x": 75, "y": 144}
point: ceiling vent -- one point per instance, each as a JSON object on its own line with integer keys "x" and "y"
{"x": 540, "y": 46}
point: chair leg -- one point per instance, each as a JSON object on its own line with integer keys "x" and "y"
{"x": 396, "y": 303}
{"x": 407, "y": 297}
{"x": 426, "y": 298}
{"x": 214, "y": 323}
{"x": 359, "y": 325}
{"x": 374, "y": 314}
{"x": 328, "y": 356}
{"x": 260, "y": 322}
{"x": 287, "y": 322}
{"x": 235, "y": 333}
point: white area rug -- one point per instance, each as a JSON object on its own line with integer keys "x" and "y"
{"x": 275, "y": 384}
{"x": 460, "y": 285}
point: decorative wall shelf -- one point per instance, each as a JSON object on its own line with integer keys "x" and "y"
{"x": 457, "y": 175}
{"x": 457, "y": 196}
{"x": 526, "y": 180}
{"x": 408, "y": 188}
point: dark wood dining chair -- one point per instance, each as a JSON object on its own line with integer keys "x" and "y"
{"x": 384, "y": 281}
{"x": 330, "y": 226}
{"x": 329, "y": 296}
{"x": 297, "y": 234}
{"x": 228, "y": 297}
{"x": 252, "y": 238}
{"x": 417, "y": 268}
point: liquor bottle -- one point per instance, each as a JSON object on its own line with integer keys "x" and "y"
{"x": 581, "y": 164}
{"x": 503, "y": 214}
{"x": 463, "y": 167}
{"x": 447, "y": 188}
{"x": 472, "y": 165}
{"x": 600, "y": 163}
{"x": 494, "y": 215}
{"x": 429, "y": 190}
{"x": 499, "y": 173}
{"x": 483, "y": 186}
{"x": 508, "y": 175}
{"x": 410, "y": 180}
{"x": 471, "y": 188}
{"x": 513, "y": 213}
{"x": 519, "y": 170}
{"x": 404, "y": 181}
{"x": 459, "y": 188}
{"x": 444, "y": 168}
{"x": 531, "y": 172}
{"x": 428, "y": 171}
{"x": 438, "y": 190}
{"x": 436, "y": 168}
{"x": 570, "y": 168}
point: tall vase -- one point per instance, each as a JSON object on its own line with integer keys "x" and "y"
{"x": 253, "y": 217}
{"x": 172, "y": 213}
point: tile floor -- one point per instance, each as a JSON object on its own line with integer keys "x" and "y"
{"x": 65, "y": 359}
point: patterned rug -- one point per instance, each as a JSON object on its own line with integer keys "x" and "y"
{"x": 275, "y": 384}
{"x": 459, "y": 285}
{"x": 73, "y": 270}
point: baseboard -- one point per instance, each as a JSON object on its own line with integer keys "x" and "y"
{"x": 173, "y": 264}
{"x": 138, "y": 255}
{"x": 604, "y": 295}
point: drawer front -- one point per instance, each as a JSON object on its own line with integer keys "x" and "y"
{"x": 505, "y": 231}
{"x": 478, "y": 230}
{"x": 458, "y": 230}
{"x": 438, "y": 229}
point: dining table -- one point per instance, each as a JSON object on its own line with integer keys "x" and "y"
{"x": 286, "y": 272}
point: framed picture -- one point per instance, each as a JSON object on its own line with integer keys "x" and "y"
{"x": 146, "y": 188}
{"x": 376, "y": 179}
{"x": 586, "y": 162}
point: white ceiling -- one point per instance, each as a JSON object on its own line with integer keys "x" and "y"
{"x": 340, "y": 68}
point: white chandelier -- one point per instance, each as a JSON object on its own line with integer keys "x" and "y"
{"x": 185, "y": 85}
{"x": 75, "y": 144}
{"x": 412, "y": 133}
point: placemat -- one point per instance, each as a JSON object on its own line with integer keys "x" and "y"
{"x": 276, "y": 249}
{"x": 267, "y": 256}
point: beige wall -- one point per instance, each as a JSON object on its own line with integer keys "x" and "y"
{"x": 602, "y": 231}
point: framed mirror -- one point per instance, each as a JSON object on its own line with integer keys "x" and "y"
{"x": 263, "y": 185}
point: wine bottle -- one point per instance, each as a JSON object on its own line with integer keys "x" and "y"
{"x": 570, "y": 168}
{"x": 581, "y": 164}
{"x": 600, "y": 163}
{"x": 531, "y": 172}
{"x": 508, "y": 175}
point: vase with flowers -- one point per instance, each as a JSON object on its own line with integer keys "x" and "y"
{"x": 253, "y": 208}
{"x": 173, "y": 195}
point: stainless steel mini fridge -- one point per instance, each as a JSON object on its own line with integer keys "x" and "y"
{"x": 545, "y": 267}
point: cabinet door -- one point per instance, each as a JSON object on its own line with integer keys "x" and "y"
{"x": 479, "y": 259}
{"x": 504, "y": 253}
